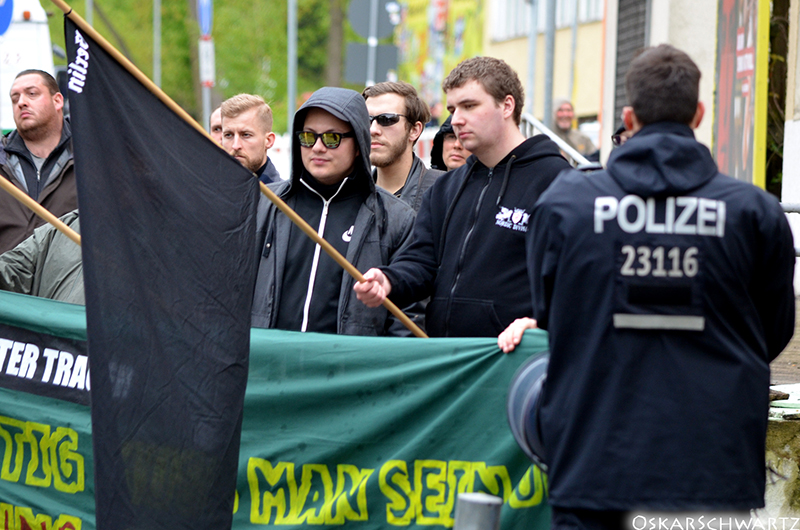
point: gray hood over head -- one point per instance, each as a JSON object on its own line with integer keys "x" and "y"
{"x": 557, "y": 105}
{"x": 347, "y": 105}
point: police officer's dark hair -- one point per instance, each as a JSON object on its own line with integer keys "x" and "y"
{"x": 48, "y": 80}
{"x": 663, "y": 84}
{"x": 416, "y": 109}
{"x": 494, "y": 75}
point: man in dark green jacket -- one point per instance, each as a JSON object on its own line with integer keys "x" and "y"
{"x": 47, "y": 264}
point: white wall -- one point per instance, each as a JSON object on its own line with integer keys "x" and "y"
{"x": 609, "y": 120}
{"x": 281, "y": 154}
{"x": 686, "y": 24}
{"x": 692, "y": 27}
{"x": 791, "y": 132}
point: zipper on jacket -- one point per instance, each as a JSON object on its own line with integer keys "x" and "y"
{"x": 463, "y": 251}
{"x": 317, "y": 249}
{"x": 271, "y": 315}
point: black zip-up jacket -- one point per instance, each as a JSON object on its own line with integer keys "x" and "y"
{"x": 666, "y": 289}
{"x": 419, "y": 179}
{"x": 269, "y": 173}
{"x": 369, "y": 234}
{"x": 468, "y": 252}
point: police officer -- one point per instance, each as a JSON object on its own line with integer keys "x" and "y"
{"x": 666, "y": 289}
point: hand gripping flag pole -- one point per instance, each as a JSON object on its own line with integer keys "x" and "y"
{"x": 337, "y": 257}
{"x": 282, "y": 206}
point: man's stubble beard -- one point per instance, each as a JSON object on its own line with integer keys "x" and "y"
{"x": 38, "y": 130}
{"x": 396, "y": 151}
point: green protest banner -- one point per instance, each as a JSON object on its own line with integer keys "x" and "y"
{"x": 363, "y": 432}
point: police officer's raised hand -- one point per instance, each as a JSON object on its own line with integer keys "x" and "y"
{"x": 374, "y": 289}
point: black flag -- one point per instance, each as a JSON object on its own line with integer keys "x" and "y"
{"x": 168, "y": 230}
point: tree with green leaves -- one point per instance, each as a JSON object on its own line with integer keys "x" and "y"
{"x": 250, "y": 46}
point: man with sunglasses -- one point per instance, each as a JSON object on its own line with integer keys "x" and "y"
{"x": 299, "y": 287}
{"x": 397, "y": 117}
{"x": 468, "y": 252}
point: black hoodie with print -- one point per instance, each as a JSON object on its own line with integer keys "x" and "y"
{"x": 468, "y": 252}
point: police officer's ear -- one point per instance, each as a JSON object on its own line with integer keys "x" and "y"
{"x": 698, "y": 115}
{"x": 630, "y": 120}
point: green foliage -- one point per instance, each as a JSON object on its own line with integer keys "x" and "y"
{"x": 251, "y": 50}
{"x": 776, "y": 100}
{"x": 313, "y": 24}
{"x": 250, "y": 46}
{"x": 178, "y": 42}
{"x": 130, "y": 30}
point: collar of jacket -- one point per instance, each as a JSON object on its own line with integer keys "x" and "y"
{"x": 293, "y": 185}
{"x": 14, "y": 144}
{"x": 661, "y": 158}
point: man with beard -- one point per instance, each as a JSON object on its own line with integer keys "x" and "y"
{"x": 247, "y": 134}
{"x": 397, "y": 116}
{"x": 36, "y": 157}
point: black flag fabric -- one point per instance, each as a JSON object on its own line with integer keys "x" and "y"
{"x": 168, "y": 230}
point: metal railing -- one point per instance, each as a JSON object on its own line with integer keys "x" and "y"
{"x": 530, "y": 126}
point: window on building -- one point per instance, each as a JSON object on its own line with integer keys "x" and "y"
{"x": 511, "y": 18}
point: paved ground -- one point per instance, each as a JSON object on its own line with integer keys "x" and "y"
{"x": 786, "y": 367}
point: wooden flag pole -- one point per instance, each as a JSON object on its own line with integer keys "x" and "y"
{"x": 129, "y": 66}
{"x": 337, "y": 257}
{"x": 277, "y": 201}
{"x": 39, "y": 210}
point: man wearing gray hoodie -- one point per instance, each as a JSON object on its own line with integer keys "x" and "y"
{"x": 299, "y": 287}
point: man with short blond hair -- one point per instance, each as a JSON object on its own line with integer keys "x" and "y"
{"x": 397, "y": 117}
{"x": 36, "y": 157}
{"x": 247, "y": 134}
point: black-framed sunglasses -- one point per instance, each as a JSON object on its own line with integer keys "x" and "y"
{"x": 331, "y": 140}
{"x": 618, "y": 137}
{"x": 386, "y": 119}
